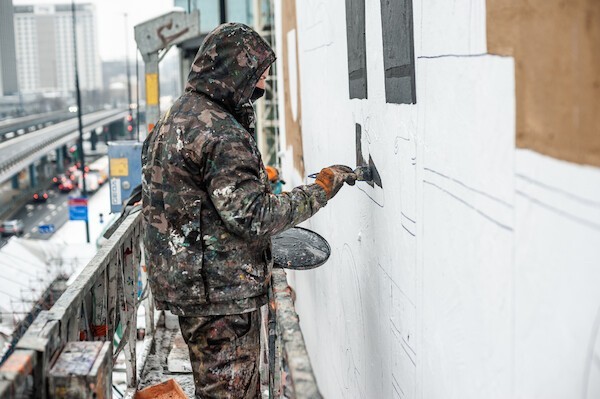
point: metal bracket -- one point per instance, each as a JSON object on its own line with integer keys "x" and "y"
{"x": 166, "y": 30}
{"x": 154, "y": 38}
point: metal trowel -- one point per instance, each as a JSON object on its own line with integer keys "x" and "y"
{"x": 363, "y": 173}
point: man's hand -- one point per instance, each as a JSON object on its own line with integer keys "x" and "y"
{"x": 331, "y": 179}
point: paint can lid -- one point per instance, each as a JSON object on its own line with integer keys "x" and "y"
{"x": 299, "y": 249}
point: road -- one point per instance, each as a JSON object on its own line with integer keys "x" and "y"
{"x": 55, "y": 211}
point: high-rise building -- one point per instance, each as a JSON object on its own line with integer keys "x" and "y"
{"x": 210, "y": 11}
{"x": 44, "y": 40}
{"x": 8, "y": 58}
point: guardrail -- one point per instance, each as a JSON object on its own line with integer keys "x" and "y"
{"x": 32, "y": 122}
{"x": 103, "y": 296}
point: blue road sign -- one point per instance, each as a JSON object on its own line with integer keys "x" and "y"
{"x": 78, "y": 213}
{"x": 78, "y": 209}
{"x": 46, "y": 228}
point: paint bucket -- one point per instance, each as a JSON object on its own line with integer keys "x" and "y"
{"x": 299, "y": 249}
{"x": 169, "y": 389}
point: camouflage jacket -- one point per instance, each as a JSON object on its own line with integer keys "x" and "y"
{"x": 209, "y": 212}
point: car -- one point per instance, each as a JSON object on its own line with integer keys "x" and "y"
{"x": 66, "y": 186}
{"x": 12, "y": 227}
{"x": 56, "y": 180}
{"x": 40, "y": 196}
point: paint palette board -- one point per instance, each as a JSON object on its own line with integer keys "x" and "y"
{"x": 299, "y": 249}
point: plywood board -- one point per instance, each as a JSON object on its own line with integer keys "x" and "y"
{"x": 292, "y": 106}
{"x": 555, "y": 45}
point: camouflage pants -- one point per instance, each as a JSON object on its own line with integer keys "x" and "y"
{"x": 225, "y": 353}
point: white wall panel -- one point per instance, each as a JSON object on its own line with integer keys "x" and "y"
{"x": 473, "y": 271}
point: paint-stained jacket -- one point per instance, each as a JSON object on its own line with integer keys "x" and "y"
{"x": 209, "y": 212}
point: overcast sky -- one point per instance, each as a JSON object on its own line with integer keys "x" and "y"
{"x": 111, "y": 21}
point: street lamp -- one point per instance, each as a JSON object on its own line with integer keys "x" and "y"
{"x": 129, "y": 114}
{"x": 78, "y": 94}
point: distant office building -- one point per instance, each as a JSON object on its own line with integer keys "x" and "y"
{"x": 210, "y": 11}
{"x": 8, "y": 57}
{"x": 44, "y": 40}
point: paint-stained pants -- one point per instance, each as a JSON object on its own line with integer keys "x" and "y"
{"x": 225, "y": 353}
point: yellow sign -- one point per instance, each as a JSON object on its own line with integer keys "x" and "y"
{"x": 119, "y": 167}
{"x": 151, "y": 89}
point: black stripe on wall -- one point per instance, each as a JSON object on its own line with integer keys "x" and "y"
{"x": 357, "y": 51}
{"x": 398, "y": 51}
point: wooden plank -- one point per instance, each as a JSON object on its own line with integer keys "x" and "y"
{"x": 129, "y": 308}
{"x": 83, "y": 370}
{"x": 72, "y": 327}
{"x": 99, "y": 322}
{"x": 112, "y": 295}
{"x": 557, "y": 73}
{"x": 148, "y": 301}
{"x": 45, "y": 339}
{"x": 15, "y": 373}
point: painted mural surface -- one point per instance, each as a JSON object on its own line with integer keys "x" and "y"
{"x": 471, "y": 269}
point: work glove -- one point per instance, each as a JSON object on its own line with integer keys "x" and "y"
{"x": 331, "y": 179}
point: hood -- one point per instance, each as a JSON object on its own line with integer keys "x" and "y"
{"x": 228, "y": 65}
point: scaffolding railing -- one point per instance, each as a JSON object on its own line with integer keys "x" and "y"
{"x": 105, "y": 297}
{"x": 102, "y": 297}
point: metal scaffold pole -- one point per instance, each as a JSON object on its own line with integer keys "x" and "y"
{"x": 267, "y": 116}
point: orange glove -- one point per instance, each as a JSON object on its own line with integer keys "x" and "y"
{"x": 331, "y": 179}
{"x": 272, "y": 173}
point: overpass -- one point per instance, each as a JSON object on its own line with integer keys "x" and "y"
{"x": 20, "y": 152}
{"x": 13, "y": 127}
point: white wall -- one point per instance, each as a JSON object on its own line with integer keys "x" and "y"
{"x": 474, "y": 272}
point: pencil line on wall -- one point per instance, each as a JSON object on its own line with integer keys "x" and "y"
{"x": 429, "y": 57}
{"x": 395, "y": 327}
{"x": 404, "y": 214}
{"x": 498, "y": 200}
{"x": 308, "y": 50}
{"x": 371, "y": 198}
{"x": 558, "y": 190}
{"x": 396, "y": 285}
{"x": 414, "y": 363}
{"x": 311, "y": 27}
{"x": 401, "y": 343}
{"x": 397, "y": 387}
{"x": 486, "y": 216}
{"x": 590, "y": 355}
{"x": 407, "y": 230}
{"x": 567, "y": 215}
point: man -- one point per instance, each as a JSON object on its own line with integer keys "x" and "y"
{"x": 209, "y": 212}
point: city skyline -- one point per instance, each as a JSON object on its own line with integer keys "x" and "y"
{"x": 8, "y": 64}
{"x": 44, "y": 42}
{"x": 111, "y": 22}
